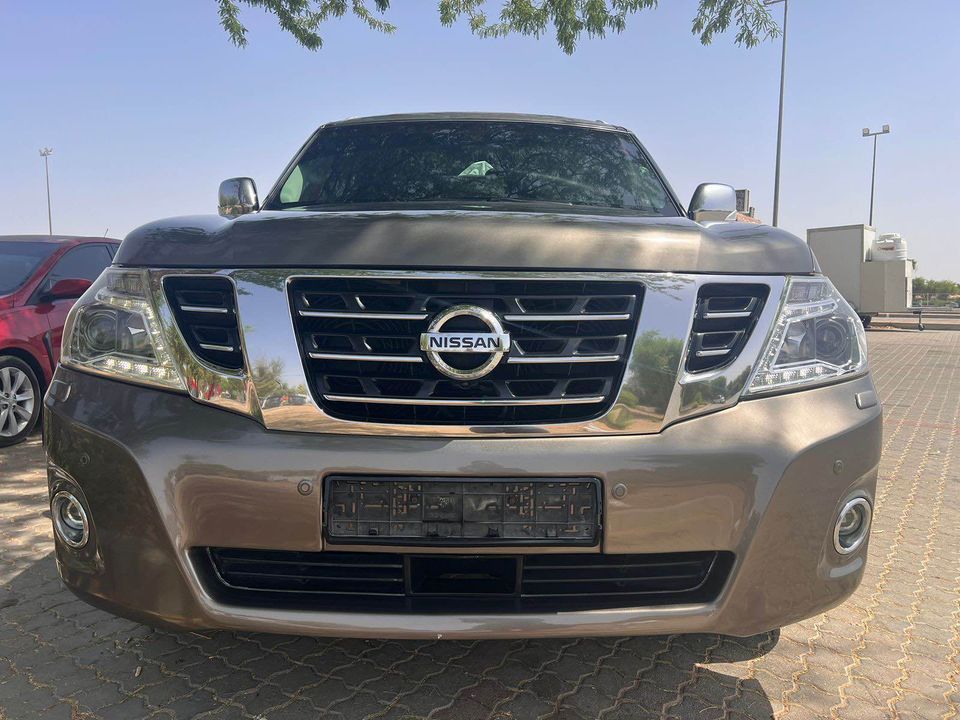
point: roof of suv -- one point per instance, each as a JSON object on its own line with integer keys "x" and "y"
{"x": 58, "y": 239}
{"x": 478, "y": 116}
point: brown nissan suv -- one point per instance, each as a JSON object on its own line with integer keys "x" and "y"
{"x": 463, "y": 375}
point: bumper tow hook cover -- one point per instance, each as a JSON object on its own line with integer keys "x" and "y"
{"x": 866, "y": 399}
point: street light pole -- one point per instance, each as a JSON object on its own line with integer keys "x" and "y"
{"x": 45, "y": 153}
{"x": 873, "y": 171}
{"x": 783, "y": 73}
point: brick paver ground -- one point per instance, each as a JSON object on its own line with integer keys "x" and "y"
{"x": 893, "y": 650}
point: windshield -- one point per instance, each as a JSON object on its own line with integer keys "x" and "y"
{"x": 475, "y": 161}
{"x": 18, "y": 260}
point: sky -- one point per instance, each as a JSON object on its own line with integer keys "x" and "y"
{"x": 147, "y": 106}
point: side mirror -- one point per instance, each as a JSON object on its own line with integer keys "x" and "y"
{"x": 238, "y": 196}
{"x": 67, "y": 289}
{"x": 713, "y": 202}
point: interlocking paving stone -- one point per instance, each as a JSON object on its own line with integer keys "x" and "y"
{"x": 891, "y": 651}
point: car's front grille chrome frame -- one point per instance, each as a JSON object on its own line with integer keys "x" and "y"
{"x": 365, "y": 347}
{"x": 655, "y": 392}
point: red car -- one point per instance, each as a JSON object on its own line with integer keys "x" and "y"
{"x": 40, "y": 278}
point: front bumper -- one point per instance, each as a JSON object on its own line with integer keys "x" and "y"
{"x": 162, "y": 475}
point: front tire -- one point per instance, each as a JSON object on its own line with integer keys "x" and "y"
{"x": 20, "y": 400}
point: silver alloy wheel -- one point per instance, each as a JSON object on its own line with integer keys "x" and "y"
{"x": 16, "y": 401}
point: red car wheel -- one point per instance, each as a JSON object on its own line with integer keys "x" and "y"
{"x": 20, "y": 400}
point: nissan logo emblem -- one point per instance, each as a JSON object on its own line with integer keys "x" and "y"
{"x": 494, "y": 343}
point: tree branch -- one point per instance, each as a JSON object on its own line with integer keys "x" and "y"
{"x": 569, "y": 19}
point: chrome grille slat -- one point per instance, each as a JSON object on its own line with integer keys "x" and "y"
{"x": 218, "y": 348}
{"x": 560, "y": 359}
{"x": 363, "y": 315}
{"x": 365, "y": 358}
{"x": 572, "y": 317}
{"x": 721, "y": 315}
{"x": 201, "y": 309}
{"x": 360, "y": 343}
{"x": 491, "y": 402}
{"x": 713, "y": 353}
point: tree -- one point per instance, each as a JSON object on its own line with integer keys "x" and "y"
{"x": 569, "y": 19}
{"x": 937, "y": 292}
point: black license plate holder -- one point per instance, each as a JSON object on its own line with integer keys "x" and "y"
{"x": 435, "y": 511}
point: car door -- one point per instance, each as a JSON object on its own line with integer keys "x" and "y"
{"x": 84, "y": 262}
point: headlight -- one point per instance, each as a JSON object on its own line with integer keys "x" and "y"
{"x": 113, "y": 330}
{"x": 817, "y": 338}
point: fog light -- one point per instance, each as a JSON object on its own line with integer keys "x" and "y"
{"x": 853, "y": 526}
{"x": 70, "y": 519}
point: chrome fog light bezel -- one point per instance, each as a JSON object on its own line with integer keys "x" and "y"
{"x": 67, "y": 533}
{"x": 849, "y": 542}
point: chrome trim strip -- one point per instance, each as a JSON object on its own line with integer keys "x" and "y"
{"x": 493, "y": 402}
{"x": 568, "y": 317}
{"x": 201, "y": 309}
{"x": 56, "y": 503}
{"x": 363, "y": 315}
{"x": 712, "y": 353}
{"x": 656, "y": 391}
{"x": 719, "y": 315}
{"x": 365, "y": 358}
{"x": 559, "y": 359}
{"x": 863, "y": 531}
{"x": 218, "y": 348}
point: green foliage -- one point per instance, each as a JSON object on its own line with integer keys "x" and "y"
{"x": 751, "y": 18}
{"x": 302, "y": 18}
{"x": 569, "y": 19}
{"x": 934, "y": 292}
{"x": 935, "y": 287}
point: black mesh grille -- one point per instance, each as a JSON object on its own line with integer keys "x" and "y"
{"x": 205, "y": 309}
{"x": 356, "y": 581}
{"x": 726, "y": 315}
{"x": 360, "y": 340}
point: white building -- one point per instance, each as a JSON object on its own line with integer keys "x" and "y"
{"x": 873, "y": 273}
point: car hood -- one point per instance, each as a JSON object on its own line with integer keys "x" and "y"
{"x": 465, "y": 239}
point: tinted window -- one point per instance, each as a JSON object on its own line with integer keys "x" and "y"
{"x": 85, "y": 262}
{"x": 479, "y": 161}
{"x": 19, "y": 260}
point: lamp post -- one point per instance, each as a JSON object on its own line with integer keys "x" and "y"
{"x": 45, "y": 153}
{"x": 783, "y": 71}
{"x": 873, "y": 172}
